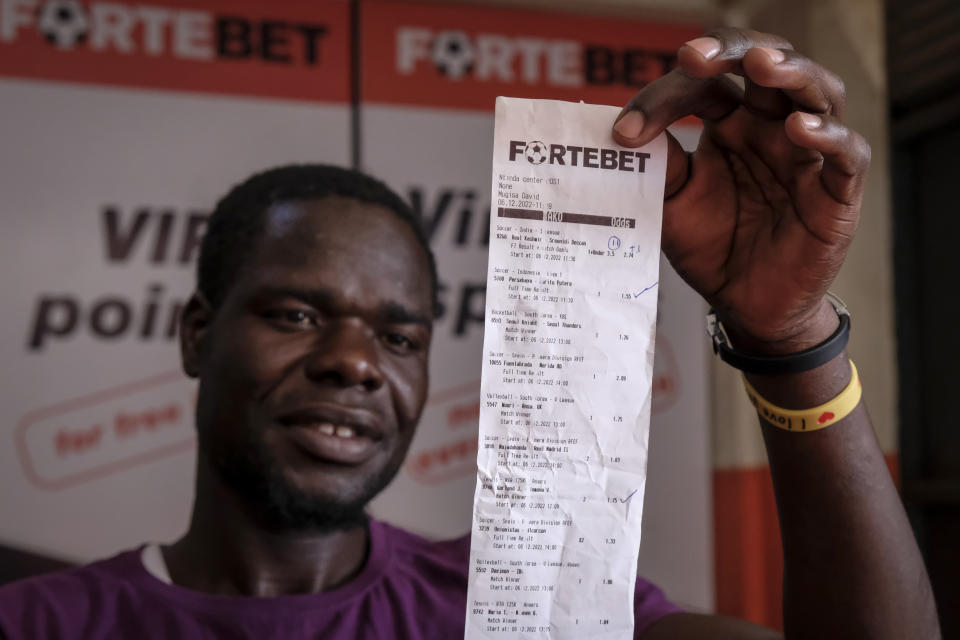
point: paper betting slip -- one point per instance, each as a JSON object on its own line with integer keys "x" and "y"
{"x": 568, "y": 361}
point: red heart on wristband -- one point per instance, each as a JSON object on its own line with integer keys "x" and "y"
{"x": 827, "y": 415}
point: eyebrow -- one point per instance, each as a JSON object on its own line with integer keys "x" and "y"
{"x": 389, "y": 312}
{"x": 394, "y": 313}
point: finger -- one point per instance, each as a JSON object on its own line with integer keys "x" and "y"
{"x": 771, "y": 104}
{"x": 722, "y": 50}
{"x": 801, "y": 80}
{"x": 767, "y": 62}
{"x": 846, "y": 154}
{"x": 678, "y": 167}
{"x": 670, "y": 98}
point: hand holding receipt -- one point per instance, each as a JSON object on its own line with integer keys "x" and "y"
{"x": 758, "y": 220}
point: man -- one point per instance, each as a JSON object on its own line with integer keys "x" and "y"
{"x": 309, "y": 335}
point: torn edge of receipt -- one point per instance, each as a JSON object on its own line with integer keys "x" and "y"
{"x": 569, "y": 333}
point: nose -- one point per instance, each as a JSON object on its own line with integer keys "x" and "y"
{"x": 346, "y": 355}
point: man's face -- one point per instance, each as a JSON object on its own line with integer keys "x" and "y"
{"x": 313, "y": 370}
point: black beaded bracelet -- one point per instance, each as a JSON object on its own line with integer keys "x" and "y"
{"x": 793, "y": 363}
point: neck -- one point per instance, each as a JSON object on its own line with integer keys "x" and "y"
{"x": 228, "y": 550}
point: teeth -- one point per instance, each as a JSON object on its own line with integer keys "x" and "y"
{"x": 327, "y": 429}
{"x": 341, "y": 431}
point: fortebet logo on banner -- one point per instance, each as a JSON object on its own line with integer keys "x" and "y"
{"x": 526, "y": 60}
{"x": 184, "y": 34}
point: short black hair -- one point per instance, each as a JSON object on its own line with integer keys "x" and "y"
{"x": 238, "y": 219}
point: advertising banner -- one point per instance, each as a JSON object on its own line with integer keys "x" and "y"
{"x": 122, "y": 124}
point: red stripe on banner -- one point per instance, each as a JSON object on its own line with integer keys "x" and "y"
{"x": 464, "y": 57}
{"x": 297, "y": 49}
{"x": 748, "y": 558}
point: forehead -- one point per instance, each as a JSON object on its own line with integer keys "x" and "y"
{"x": 359, "y": 250}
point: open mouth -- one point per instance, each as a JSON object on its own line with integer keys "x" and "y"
{"x": 333, "y": 443}
{"x": 334, "y": 435}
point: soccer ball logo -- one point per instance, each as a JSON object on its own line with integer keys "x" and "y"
{"x": 453, "y": 54}
{"x": 63, "y": 23}
{"x": 535, "y": 152}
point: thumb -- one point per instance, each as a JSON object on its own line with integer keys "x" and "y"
{"x": 678, "y": 161}
{"x": 679, "y": 165}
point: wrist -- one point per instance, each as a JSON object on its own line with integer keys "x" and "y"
{"x": 809, "y": 417}
{"x": 808, "y": 332}
{"x": 807, "y": 388}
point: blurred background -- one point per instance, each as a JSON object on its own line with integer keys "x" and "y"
{"x": 123, "y": 122}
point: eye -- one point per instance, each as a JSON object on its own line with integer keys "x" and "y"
{"x": 288, "y": 318}
{"x": 295, "y": 316}
{"x": 399, "y": 342}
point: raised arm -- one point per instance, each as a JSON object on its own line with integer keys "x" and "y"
{"x": 758, "y": 220}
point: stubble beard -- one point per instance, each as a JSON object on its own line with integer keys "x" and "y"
{"x": 255, "y": 475}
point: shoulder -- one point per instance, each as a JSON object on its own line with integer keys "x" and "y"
{"x": 57, "y": 604}
{"x": 69, "y": 584}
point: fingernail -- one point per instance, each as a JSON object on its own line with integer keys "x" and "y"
{"x": 810, "y": 121}
{"x": 707, "y": 47}
{"x": 776, "y": 56}
{"x": 630, "y": 124}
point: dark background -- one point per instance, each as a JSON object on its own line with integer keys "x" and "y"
{"x": 923, "y": 66}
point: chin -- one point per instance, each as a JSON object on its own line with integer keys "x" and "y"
{"x": 322, "y": 500}
{"x": 321, "y": 489}
{"x": 287, "y": 492}
{"x": 290, "y": 505}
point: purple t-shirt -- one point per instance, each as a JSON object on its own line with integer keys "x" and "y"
{"x": 409, "y": 588}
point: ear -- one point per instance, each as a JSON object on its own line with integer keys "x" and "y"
{"x": 194, "y": 323}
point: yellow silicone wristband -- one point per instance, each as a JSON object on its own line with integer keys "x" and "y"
{"x": 809, "y": 419}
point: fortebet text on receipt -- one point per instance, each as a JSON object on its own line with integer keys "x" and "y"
{"x": 571, "y": 311}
